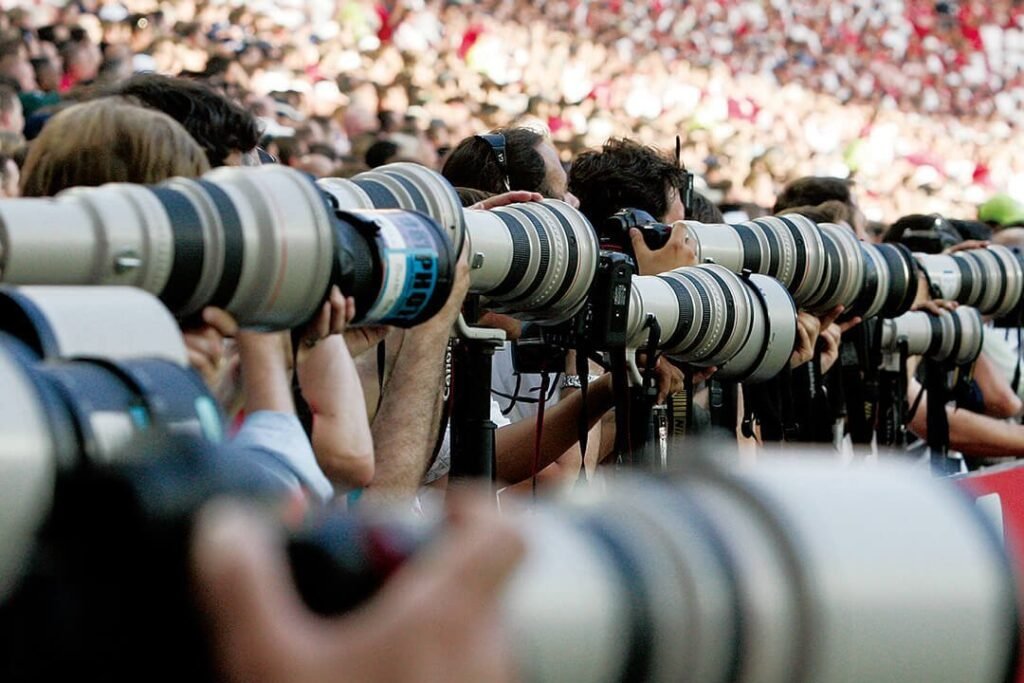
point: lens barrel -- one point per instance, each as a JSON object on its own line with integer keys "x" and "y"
{"x": 709, "y": 316}
{"x": 264, "y": 243}
{"x": 990, "y": 279}
{"x": 822, "y": 266}
{"x": 889, "y": 282}
{"x": 535, "y": 260}
{"x": 955, "y": 336}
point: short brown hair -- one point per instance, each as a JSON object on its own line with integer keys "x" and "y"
{"x": 832, "y": 211}
{"x": 105, "y": 141}
{"x": 814, "y": 191}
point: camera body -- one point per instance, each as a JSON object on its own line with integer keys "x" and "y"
{"x": 601, "y": 325}
{"x": 614, "y": 232}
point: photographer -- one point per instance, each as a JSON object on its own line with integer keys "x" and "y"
{"x": 973, "y": 434}
{"x": 508, "y": 160}
{"x": 112, "y": 140}
{"x": 625, "y": 174}
{"x": 522, "y": 158}
{"x": 933, "y": 234}
{"x": 525, "y": 162}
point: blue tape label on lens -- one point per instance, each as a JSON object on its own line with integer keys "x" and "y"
{"x": 411, "y": 277}
{"x": 411, "y": 267}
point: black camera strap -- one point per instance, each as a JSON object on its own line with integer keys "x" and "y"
{"x": 768, "y": 405}
{"x": 805, "y": 392}
{"x": 582, "y": 425}
{"x": 538, "y": 436}
{"x": 620, "y": 388}
{"x": 1015, "y": 384}
{"x": 857, "y": 384}
{"x": 382, "y": 358}
{"x": 722, "y": 405}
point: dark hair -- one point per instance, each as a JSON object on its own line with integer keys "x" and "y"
{"x": 380, "y": 153}
{"x": 703, "y": 210}
{"x": 935, "y": 231}
{"x": 473, "y": 164}
{"x": 623, "y": 174}
{"x": 219, "y": 125}
{"x": 832, "y": 211}
{"x": 469, "y": 196}
{"x": 812, "y": 191}
{"x": 927, "y": 233}
{"x": 971, "y": 230}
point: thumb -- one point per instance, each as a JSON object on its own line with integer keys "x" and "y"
{"x": 637, "y": 238}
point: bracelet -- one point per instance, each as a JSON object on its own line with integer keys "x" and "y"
{"x": 573, "y": 381}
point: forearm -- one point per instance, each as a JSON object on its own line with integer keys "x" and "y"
{"x": 265, "y": 373}
{"x": 1000, "y": 398}
{"x": 973, "y": 434}
{"x": 405, "y": 427}
{"x": 341, "y": 432}
{"x": 515, "y": 443}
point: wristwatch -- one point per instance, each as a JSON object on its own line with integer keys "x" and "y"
{"x": 573, "y": 381}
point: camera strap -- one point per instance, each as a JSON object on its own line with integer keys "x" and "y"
{"x": 768, "y": 405}
{"x": 935, "y": 382}
{"x": 382, "y": 357}
{"x": 582, "y": 425}
{"x": 858, "y": 386}
{"x": 447, "y": 398}
{"x": 791, "y": 424}
{"x": 538, "y": 435}
{"x": 722, "y": 405}
{"x": 620, "y": 388}
{"x": 1015, "y": 384}
{"x": 750, "y": 413}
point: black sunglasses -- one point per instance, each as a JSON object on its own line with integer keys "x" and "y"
{"x": 496, "y": 141}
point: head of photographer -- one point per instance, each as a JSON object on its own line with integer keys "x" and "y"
{"x": 624, "y": 174}
{"x": 509, "y": 160}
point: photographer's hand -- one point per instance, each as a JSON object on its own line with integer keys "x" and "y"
{"x": 506, "y": 198}
{"x": 437, "y": 619}
{"x": 808, "y": 327}
{"x": 676, "y": 253}
{"x": 668, "y": 377}
{"x": 966, "y": 245}
{"x": 934, "y": 306}
{"x": 205, "y": 344}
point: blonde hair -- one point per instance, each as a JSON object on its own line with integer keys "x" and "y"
{"x": 105, "y": 141}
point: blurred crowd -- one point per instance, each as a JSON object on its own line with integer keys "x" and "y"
{"x": 918, "y": 102}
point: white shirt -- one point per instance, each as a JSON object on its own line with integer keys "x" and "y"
{"x": 503, "y": 385}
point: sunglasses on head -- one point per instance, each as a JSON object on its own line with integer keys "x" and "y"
{"x": 496, "y": 141}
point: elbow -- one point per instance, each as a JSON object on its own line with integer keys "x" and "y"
{"x": 1005, "y": 405}
{"x": 354, "y": 468}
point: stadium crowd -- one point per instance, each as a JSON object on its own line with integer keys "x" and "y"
{"x": 917, "y": 102}
{"x": 777, "y": 108}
